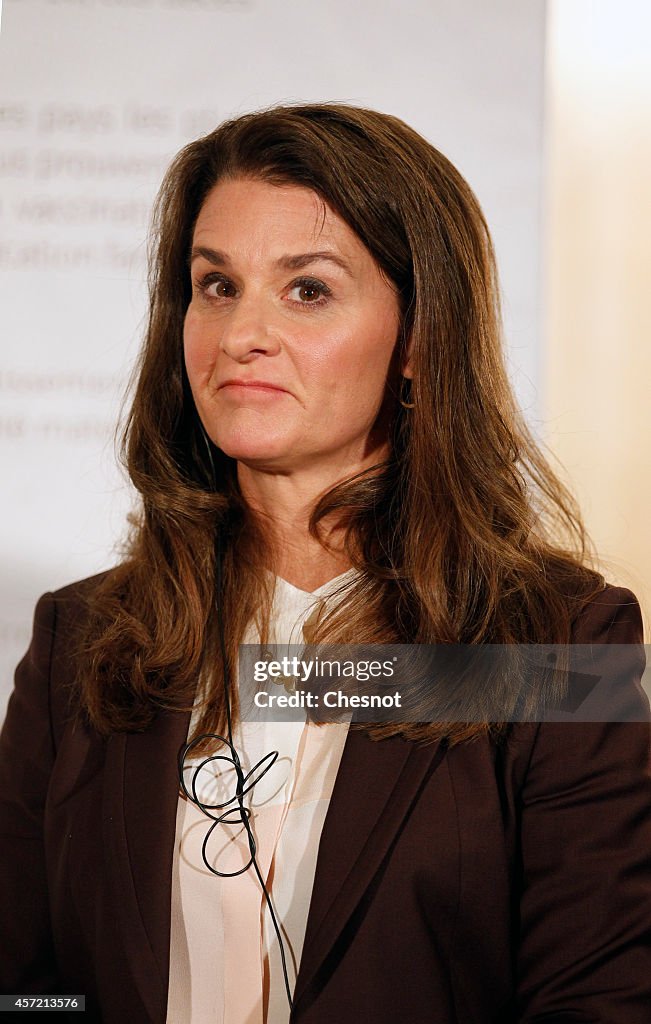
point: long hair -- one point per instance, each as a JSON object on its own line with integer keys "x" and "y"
{"x": 463, "y": 535}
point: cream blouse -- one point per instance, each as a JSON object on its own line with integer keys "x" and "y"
{"x": 225, "y": 964}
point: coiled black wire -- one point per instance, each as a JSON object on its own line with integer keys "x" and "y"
{"x": 233, "y": 810}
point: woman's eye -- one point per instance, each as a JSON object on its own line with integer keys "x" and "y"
{"x": 217, "y": 288}
{"x": 308, "y": 292}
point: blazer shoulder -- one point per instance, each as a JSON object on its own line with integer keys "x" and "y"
{"x": 63, "y": 610}
{"x": 58, "y": 618}
{"x": 611, "y": 616}
{"x": 75, "y": 596}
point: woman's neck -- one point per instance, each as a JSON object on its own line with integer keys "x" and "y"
{"x": 282, "y": 507}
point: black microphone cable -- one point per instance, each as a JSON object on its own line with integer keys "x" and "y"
{"x": 233, "y": 810}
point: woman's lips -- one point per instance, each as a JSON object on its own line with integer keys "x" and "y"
{"x": 253, "y": 386}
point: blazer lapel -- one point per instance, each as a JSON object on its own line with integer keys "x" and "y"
{"x": 140, "y": 801}
{"x": 376, "y": 786}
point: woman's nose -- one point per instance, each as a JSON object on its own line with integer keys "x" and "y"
{"x": 250, "y": 329}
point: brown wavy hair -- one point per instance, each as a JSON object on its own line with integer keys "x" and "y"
{"x": 464, "y": 534}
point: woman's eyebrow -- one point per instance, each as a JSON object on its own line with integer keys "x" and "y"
{"x": 297, "y": 262}
{"x": 303, "y": 259}
{"x": 214, "y": 256}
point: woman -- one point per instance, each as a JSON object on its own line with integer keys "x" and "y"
{"x": 326, "y": 447}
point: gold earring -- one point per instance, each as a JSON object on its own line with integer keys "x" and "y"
{"x": 406, "y": 405}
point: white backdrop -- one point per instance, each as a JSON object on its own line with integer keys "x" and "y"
{"x": 95, "y": 98}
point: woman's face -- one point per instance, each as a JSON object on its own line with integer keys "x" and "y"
{"x": 290, "y": 332}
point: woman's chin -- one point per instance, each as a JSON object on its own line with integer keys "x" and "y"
{"x": 257, "y": 452}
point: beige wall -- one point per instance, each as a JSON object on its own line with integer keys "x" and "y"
{"x": 597, "y": 372}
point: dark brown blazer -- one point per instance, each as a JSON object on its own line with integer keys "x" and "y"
{"x": 477, "y": 885}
